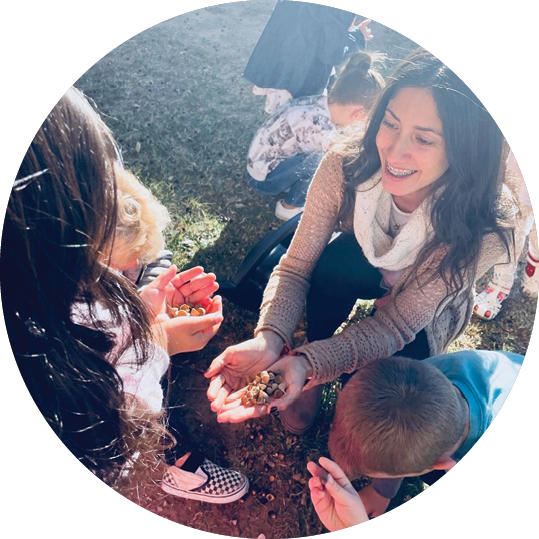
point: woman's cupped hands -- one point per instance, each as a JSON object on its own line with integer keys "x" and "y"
{"x": 231, "y": 371}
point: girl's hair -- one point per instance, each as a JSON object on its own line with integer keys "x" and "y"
{"x": 395, "y": 416}
{"x": 141, "y": 220}
{"x": 358, "y": 82}
{"x": 60, "y": 222}
{"x": 467, "y": 206}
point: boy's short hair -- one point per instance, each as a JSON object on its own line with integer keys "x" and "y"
{"x": 141, "y": 220}
{"x": 395, "y": 416}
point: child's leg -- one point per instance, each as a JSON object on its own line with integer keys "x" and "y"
{"x": 293, "y": 175}
{"x": 530, "y": 279}
{"x": 489, "y": 302}
{"x": 192, "y": 476}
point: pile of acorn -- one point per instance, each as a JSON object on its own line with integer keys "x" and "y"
{"x": 185, "y": 310}
{"x": 264, "y": 385}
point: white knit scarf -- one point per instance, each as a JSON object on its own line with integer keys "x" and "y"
{"x": 371, "y": 225}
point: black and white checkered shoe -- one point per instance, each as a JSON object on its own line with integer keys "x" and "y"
{"x": 201, "y": 479}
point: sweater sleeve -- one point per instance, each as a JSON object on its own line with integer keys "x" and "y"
{"x": 392, "y": 326}
{"x": 284, "y": 297}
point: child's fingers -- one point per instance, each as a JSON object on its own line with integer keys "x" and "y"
{"x": 335, "y": 470}
{"x": 316, "y": 488}
{"x": 345, "y": 495}
{"x": 216, "y": 306}
{"x": 161, "y": 281}
{"x": 196, "y": 283}
{"x": 185, "y": 276}
{"x": 181, "y": 290}
{"x": 315, "y": 470}
{"x": 321, "y": 498}
{"x": 316, "y": 482}
{"x": 200, "y": 323}
{"x": 196, "y": 298}
{"x": 194, "y": 286}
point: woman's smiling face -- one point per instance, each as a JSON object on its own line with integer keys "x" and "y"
{"x": 411, "y": 145}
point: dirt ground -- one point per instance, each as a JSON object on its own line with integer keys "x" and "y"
{"x": 176, "y": 100}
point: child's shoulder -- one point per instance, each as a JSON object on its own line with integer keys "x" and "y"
{"x": 468, "y": 363}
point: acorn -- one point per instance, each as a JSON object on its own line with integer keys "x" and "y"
{"x": 185, "y": 310}
{"x": 263, "y": 385}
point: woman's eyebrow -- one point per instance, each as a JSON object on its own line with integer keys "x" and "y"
{"x": 418, "y": 127}
{"x": 429, "y": 130}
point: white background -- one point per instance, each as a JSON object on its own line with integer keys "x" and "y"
{"x": 46, "y": 46}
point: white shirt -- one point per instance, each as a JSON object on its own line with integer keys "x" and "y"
{"x": 145, "y": 381}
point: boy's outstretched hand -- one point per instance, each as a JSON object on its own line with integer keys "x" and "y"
{"x": 335, "y": 500}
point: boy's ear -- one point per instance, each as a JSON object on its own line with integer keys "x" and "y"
{"x": 445, "y": 462}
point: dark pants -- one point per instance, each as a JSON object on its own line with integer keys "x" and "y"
{"x": 293, "y": 175}
{"x": 341, "y": 277}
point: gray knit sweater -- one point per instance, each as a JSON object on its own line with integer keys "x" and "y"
{"x": 412, "y": 306}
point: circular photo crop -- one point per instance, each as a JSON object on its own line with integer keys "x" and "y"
{"x": 280, "y": 269}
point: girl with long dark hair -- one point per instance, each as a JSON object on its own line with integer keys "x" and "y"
{"x": 91, "y": 349}
{"x": 423, "y": 212}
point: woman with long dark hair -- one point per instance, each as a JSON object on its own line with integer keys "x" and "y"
{"x": 423, "y": 212}
{"x": 92, "y": 350}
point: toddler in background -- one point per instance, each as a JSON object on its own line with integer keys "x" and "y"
{"x": 287, "y": 149}
{"x": 489, "y": 301}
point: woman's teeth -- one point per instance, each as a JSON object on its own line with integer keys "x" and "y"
{"x": 399, "y": 173}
